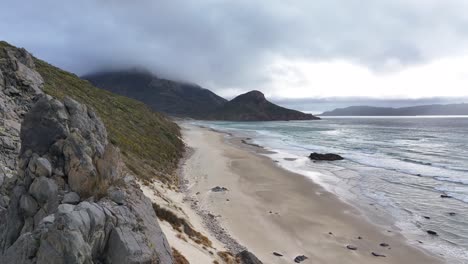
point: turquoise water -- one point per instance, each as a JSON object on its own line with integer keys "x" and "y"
{"x": 396, "y": 167}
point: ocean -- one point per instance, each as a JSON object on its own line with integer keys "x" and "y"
{"x": 395, "y": 169}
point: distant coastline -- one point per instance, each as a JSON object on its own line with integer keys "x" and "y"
{"x": 421, "y": 110}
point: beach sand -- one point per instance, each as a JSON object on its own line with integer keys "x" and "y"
{"x": 268, "y": 209}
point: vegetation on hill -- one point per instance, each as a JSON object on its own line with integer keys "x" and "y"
{"x": 171, "y": 97}
{"x": 149, "y": 141}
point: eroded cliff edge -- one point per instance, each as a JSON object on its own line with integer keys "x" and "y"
{"x": 66, "y": 196}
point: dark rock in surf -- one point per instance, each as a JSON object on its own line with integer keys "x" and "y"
{"x": 384, "y": 245}
{"x": 375, "y": 254}
{"x": 351, "y": 247}
{"x": 299, "y": 259}
{"x": 277, "y": 254}
{"x": 325, "y": 157}
{"x": 433, "y": 233}
{"x": 219, "y": 189}
{"x": 445, "y": 196}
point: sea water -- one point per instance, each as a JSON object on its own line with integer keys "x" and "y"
{"x": 395, "y": 169}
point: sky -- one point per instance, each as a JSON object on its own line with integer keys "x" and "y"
{"x": 313, "y": 55}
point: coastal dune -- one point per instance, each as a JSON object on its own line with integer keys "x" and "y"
{"x": 268, "y": 209}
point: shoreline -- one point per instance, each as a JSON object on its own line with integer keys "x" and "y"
{"x": 303, "y": 222}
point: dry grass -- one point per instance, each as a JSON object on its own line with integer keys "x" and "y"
{"x": 181, "y": 225}
{"x": 178, "y": 257}
{"x": 227, "y": 257}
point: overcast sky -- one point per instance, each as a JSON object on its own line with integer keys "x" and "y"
{"x": 297, "y": 52}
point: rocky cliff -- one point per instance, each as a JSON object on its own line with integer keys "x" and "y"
{"x": 253, "y": 106}
{"x": 66, "y": 195}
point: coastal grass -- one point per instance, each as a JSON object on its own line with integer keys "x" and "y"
{"x": 181, "y": 225}
{"x": 149, "y": 141}
{"x": 178, "y": 257}
{"x": 227, "y": 257}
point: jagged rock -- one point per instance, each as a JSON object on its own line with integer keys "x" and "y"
{"x": 116, "y": 195}
{"x": 326, "y": 157}
{"x": 43, "y": 125}
{"x": 11, "y": 91}
{"x": 79, "y": 234}
{"x": 43, "y": 189}
{"x": 246, "y": 257}
{"x": 71, "y": 198}
{"x": 65, "y": 208}
{"x": 70, "y": 138}
{"x": 126, "y": 246}
{"x": 28, "y": 205}
{"x": 43, "y": 167}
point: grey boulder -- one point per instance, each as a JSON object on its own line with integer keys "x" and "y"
{"x": 43, "y": 189}
{"x": 71, "y": 198}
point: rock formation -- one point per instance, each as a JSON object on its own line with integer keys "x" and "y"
{"x": 67, "y": 198}
{"x": 19, "y": 84}
{"x": 326, "y": 157}
{"x": 253, "y": 106}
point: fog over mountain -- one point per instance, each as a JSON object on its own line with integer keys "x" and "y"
{"x": 385, "y": 50}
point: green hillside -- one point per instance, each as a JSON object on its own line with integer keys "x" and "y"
{"x": 149, "y": 141}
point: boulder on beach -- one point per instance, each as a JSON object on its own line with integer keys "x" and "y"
{"x": 219, "y": 189}
{"x": 300, "y": 258}
{"x": 247, "y": 257}
{"x": 325, "y": 157}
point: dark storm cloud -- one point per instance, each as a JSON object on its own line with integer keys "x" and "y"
{"x": 227, "y": 43}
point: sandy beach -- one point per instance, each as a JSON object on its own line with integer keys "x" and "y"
{"x": 268, "y": 209}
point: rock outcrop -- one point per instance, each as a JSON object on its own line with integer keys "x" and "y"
{"x": 19, "y": 85}
{"x": 72, "y": 201}
{"x": 325, "y": 157}
{"x": 246, "y": 257}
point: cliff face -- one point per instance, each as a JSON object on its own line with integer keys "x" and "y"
{"x": 171, "y": 97}
{"x": 19, "y": 85}
{"x": 253, "y": 106}
{"x": 66, "y": 195}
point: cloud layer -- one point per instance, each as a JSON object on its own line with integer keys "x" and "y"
{"x": 288, "y": 49}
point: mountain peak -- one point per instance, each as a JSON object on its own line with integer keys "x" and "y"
{"x": 253, "y": 95}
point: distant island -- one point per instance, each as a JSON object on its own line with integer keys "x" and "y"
{"x": 190, "y": 100}
{"x": 422, "y": 110}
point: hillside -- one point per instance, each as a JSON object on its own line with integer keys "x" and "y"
{"x": 253, "y": 106}
{"x": 171, "y": 97}
{"x": 449, "y": 109}
{"x": 149, "y": 141}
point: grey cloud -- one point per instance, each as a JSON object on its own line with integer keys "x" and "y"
{"x": 226, "y": 43}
